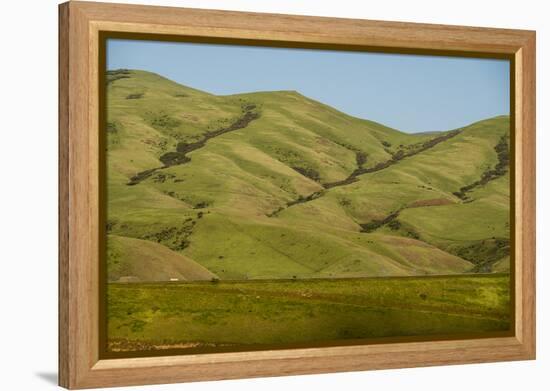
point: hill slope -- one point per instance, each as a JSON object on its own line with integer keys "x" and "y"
{"x": 141, "y": 260}
{"x": 276, "y": 185}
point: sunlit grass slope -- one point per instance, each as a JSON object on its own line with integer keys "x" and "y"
{"x": 251, "y": 197}
{"x": 134, "y": 260}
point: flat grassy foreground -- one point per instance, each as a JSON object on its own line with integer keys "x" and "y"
{"x": 213, "y": 314}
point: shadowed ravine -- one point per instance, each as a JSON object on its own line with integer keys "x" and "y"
{"x": 500, "y": 169}
{"x": 398, "y": 156}
{"x": 490, "y": 175}
{"x": 179, "y": 156}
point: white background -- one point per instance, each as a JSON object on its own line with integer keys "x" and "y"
{"x": 28, "y": 194}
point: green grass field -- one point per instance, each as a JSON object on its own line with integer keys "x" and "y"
{"x": 184, "y": 315}
{"x": 207, "y": 189}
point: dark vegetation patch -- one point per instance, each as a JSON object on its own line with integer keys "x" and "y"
{"x": 175, "y": 238}
{"x": 161, "y": 121}
{"x": 394, "y": 225}
{"x": 112, "y": 127}
{"x": 386, "y": 144}
{"x": 411, "y": 233}
{"x": 345, "y": 202}
{"x": 360, "y": 158}
{"x": 181, "y": 95}
{"x": 117, "y": 74}
{"x": 276, "y": 211}
{"x": 396, "y": 157}
{"x": 197, "y": 204}
{"x": 391, "y": 221}
{"x": 375, "y": 224}
{"x": 245, "y": 107}
{"x": 308, "y": 173}
{"x": 425, "y": 187}
{"x": 500, "y": 169}
{"x": 162, "y": 177}
{"x": 483, "y": 253}
{"x": 300, "y": 200}
{"x": 360, "y": 170}
{"x": 141, "y": 176}
{"x": 432, "y": 202}
{"x": 160, "y": 144}
{"x": 173, "y": 159}
{"x": 285, "y": 155}
{"x": 110, "y": 225}
{"x": 135, "y": 96}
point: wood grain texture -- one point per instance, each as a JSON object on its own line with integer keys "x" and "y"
{"x": 80, "y": 25}
{"x": 527, "y": 187}
{"x": 63, "y": 221}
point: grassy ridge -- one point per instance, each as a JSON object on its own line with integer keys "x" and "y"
{"x": 159, "y": 316}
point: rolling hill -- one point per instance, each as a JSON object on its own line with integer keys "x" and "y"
{"x": 271, "y": 185}
{"x": 133, "y": 260}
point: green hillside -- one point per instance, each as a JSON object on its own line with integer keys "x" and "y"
{"x": 133, "y": 260}
{"x": 274, "y": 185}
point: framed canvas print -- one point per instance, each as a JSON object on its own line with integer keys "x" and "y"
{"x": 249, "y": 195}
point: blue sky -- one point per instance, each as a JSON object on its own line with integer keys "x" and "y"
{"x": 407, "y": 92}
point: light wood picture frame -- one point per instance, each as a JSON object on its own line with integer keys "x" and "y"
{"x": 81, "y": 25}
